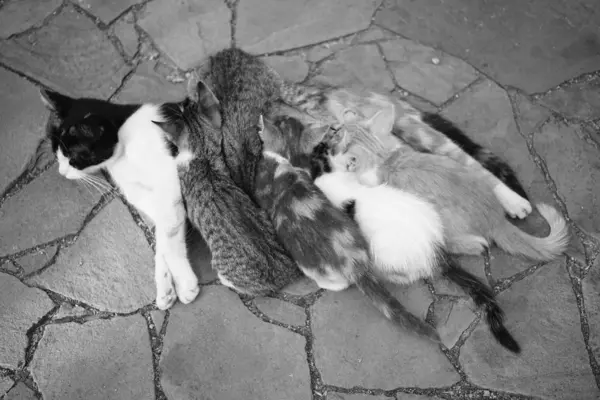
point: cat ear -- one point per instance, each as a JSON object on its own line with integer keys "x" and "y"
{"x": 382, "y": 122}
{"x": 172, "y": 129}
{"x": 56, "y": 101}
{"x": 209, "y": 104}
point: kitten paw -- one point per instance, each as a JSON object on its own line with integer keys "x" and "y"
{"x": 514, "y": 205}
{"x": 166, "y": 300}
{"x": 188, "y": 294}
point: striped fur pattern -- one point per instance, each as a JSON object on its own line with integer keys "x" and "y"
{"x": 324, "y": 241}
{"x": 319, "y": 105}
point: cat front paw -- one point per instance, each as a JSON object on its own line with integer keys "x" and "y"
{"x": 164, "y": 301}
{"x": 514, "y": 205}
{"x": 188, "y": 292}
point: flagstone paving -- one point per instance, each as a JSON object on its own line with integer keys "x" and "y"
{"x": 77, "y": 318}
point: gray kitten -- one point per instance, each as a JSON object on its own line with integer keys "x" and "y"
{"x": 324, "y": 241}
{"x": 245, "y": 251}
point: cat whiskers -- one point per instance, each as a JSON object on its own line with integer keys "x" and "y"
{"x": 98, "y": 184}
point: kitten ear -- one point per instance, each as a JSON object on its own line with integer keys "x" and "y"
{"x": 56, "y": 102}
{"x": 209, "y": 104}
{"x": 382, "y": 122}
{"x": 172, "y": 129}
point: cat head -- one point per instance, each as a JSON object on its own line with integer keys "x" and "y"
{"x": 178, "y": 119}
{"x": 84, "y": 136}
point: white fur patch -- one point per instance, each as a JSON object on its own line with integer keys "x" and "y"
{"x": 274, "y": 156}
{"x": 513, "y": 204}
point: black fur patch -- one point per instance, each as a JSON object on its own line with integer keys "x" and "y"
{"x": 349, "y": 208}
{"x": 490, "y": 161}
{"x": 319, "y": 160}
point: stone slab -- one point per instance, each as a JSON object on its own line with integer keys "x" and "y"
{"x": 110, "y": 266}
{"x": 20, "y": 392}
{"x": 5, "y": 384}
{"x": 541, "y": 312}
{"x": 290, "y": 68}
{"x": 575, "y": 169}
{"x": 406, "y": 396}
{"x": 76, "y": 361}
{"x": 265, "y": 26}
{"x": 48, "y": 208}
{"x": 70, "y": 54}
{"x": 21, "y": 308}
{"x": 452, "y": 318}
{"x": 20, "y": 15}
{"x": 301, "y": 287}
{"x": 218, "y": 349}
{"x": 425, "y": 71}
{"x": 580, "y": 100}
{"x": 356, "y": 346}
{"x": 529, "y": 45}
{"x": 107, "y": 10}
{"x": 23, "y": 119}
{"x": 344, "y": 396}
{"x": 69, "y": 310}
{"x": 361, "y": 65}
{"x": 591, "y": 296}
{"x": 173, "y": 26}
{"x": 124, "y": 30}
{"x": 34, "y": 261}
{"x": 147, "y": 86}
{"x": 281, "y": 311}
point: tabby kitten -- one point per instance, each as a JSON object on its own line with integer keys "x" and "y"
{"x": 473, "y": 218}
{"x": 405, "y": 235}
{"x": 326, "y": 244}
{"x": 245, "y": 251}
{"x": 320, "y": 105}
{"x": 89, "y": 135}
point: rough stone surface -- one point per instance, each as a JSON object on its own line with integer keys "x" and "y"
{"x": 125, "y": 30}
{"x": 48, "y": 208}
{"x": 281, "y": 311}
{"x": 541, "y": 312}
{"x": 392, "y": 356}
{"x": 110, "y": 266}
{"x": 69, "y": 310}
{"x": 20, "y": 392}
{"x": 21, "y": 308}
{"x": 406, "y": 396}
{"x": 291, "y": 68}
{"x": 246, "y": 355}
{"x": 205, "y": 23}
{"x": 23, "y": 119}
{"x": 452, "y": 317}
{"x": 265, "y": 26}
{"x": 301, "y": 287}
{"x": 591, "y": 295}
{"x": 66, "y": 350}
{"x": 343, "y": 396}
{"x": 37, "y": 260}
{"x": 146, "y": 86}
{"x": 20, "y": 15}
{"x": 415, "y": 69}
{"x": 70, "y": 55}
{"x": 360, "y": 65}
{"x": 580, "y": 100}
{"x": 5, "y": 384}
{"x": 508, "y": 40}
{"x": 107, "y": 10}
{"x": 574, "y": 166}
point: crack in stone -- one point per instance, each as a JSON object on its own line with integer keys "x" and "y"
{"x": 47, "y": 265}
{"x": 585, "y": 327}
{"x": 319, "y": 391}
{"x": 293, "y": 50}
{"x": 587, "y": 76}
{"x": 85, "y": 13}
{"x": 251, "y": 306}
{"x": 466, "y": 89}
{"x": 134, "y": 66}
{"x": 41, "y": 25}
{"x": 156, "y": 345}
{"x": 232, "y": 5}
{"x": 503, "y": 284}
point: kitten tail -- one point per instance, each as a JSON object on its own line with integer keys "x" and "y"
{"x": 515, "y": 241}
{"x": 482, "y": 297}
{"x": 392, "y": 308}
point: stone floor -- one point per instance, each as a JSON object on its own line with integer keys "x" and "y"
{"x": 77, "y": 319}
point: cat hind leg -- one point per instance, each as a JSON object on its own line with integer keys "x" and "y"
{"x": 468, "y": 244}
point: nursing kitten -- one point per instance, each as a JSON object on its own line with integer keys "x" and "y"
{"x": 326, "y": 244}
{"x": 405, "y": 235}
{"x": 472, "y": 216}
{"x": 320, "y": 105}
{"x": 245, "y": 251}
{"x": 90, "y": 135}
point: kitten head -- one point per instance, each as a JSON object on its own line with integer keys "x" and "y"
{"x": 85, "y": 135}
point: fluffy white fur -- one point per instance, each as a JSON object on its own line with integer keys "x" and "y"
{"x": 403, "y": 231}
{"x": 146, "y": 174}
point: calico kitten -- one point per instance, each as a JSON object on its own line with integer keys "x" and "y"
{"x": 326, "y": 244}
{"x": 245, "y": 251}
{"x": 320, "y": 105}
{"x": 90, "y": 135}
{"x": 405, "y": 235}
{"x": 472, "y": 217}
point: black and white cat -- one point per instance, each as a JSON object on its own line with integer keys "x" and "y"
{"x": 92, "y": 135}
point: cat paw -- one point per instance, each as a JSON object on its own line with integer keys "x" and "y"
{"x": 514, "y": 205}
{"x": 164, "y": 301}
{"x": 188, "y": 294}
